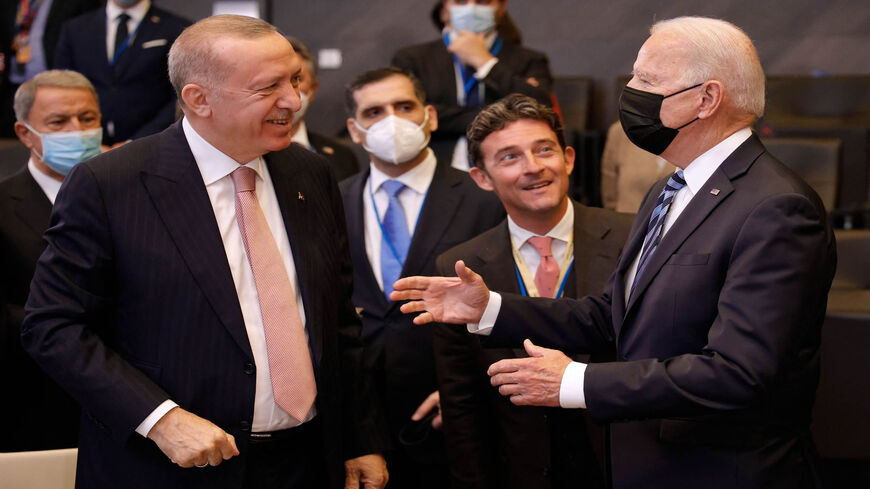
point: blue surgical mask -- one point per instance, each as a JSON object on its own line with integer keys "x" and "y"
{"x": 63, "y": 150}
{"x": 472, "y": 17}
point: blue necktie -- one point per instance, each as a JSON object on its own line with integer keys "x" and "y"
{"x": 654, "y": 229}
{"x": 394, "y": 247}
{"x": 472, "y": 97}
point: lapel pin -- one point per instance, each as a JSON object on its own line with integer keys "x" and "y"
{"x": 328, "y": 150}
{"x": 715, "y": 191}
{"x": 301, "y": 197}
{"x": 155, "y": 19}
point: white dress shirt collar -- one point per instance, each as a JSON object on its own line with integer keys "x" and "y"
{"x": 701, "y": 168}
{"x": 301, "y": 136}
{"x": 136, "y": 12}
{"x": 49, "y": 186}
{"x": 417, "y": 178}
{"x": 213, "y": 164}
{"x": 561, "y": 231}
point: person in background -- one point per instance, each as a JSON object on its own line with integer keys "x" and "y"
{"x": 627, "y": 172}
{"x": 549, "y": 246}
{"x": 123, "y": 49}
{"x": 58, "y": 119}
{"x": 29, "y": 31}
{"x": 402, "y": 212}
{"x": 470, "y": 66}
{"x": 341, "y": 158}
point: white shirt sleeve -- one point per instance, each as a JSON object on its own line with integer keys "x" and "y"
{"x": 571, "y": 395}
{"x": 484, "y": 70}
{"x": 145, "y": 426}
{"x": 490, "y": 314}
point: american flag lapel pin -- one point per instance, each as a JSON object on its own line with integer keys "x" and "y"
{"x": 301, "y": 197}
{"x": 715, "y": 191}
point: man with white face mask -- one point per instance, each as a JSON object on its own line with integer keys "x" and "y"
{"x": 342, "y": 160}
{"x": 59, "y": 121}
{"x": 471, "y": 66}
{"x": 402, "y": 212}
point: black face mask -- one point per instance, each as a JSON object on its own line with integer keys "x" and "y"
{"x": 639, "y": 115}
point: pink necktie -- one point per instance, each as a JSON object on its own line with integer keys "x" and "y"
{"x": 289, "y": 359}
{"x": 547, "y": 274}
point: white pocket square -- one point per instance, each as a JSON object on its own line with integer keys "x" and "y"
{"x": 154, "y": 43}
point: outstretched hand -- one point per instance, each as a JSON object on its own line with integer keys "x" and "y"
{"x": 457, "y": 300}
{"x": 532, "y": 381}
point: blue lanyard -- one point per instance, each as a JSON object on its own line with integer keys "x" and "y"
{"x": 558, "y": 292}
{"x": 469, "y": 81}
{"x": 381, "y": 224}
{"x": 119, "y": 50}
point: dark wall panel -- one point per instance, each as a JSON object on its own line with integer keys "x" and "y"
{"x": 582, "y": 38}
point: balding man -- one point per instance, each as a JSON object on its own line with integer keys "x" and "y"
{"x": 194, "y": 295}
{"x": 715, "y": 309}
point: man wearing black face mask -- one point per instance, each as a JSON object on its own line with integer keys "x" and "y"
{"x": 715, "y": 308}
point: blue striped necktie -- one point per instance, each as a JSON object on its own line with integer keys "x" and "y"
{"x": 654, "y": 228}
{"x": 396, "y": 240}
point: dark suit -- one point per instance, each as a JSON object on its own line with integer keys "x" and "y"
{"x": 135, "y": 94}
{"x": 491, "y": 442}
{"x": 434, "y": 66}
{"x": 45, "y": 417}
{"x": 133, "y": 303}
{"x": 399, "y": 353}
{"x": 718, "y": 347}
{"x": 341, "y": 159}
{"x": 60, "y": 11}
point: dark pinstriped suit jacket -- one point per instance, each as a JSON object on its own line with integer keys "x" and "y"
{"x": 133, "y": 303}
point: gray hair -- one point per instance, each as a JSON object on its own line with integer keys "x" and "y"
{"x": 720, "y": 50}
{"x": 305, "y": 53}
{"x": 191, "y": 58}
{"x": 26, "y": 93}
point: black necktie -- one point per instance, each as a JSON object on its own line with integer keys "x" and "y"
{"x": 122, "y": 33}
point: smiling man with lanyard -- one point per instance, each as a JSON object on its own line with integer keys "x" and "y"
{"x": 136, "y": 97}
{"x": 484, "y": 68}
{"x": 549, "y": 246}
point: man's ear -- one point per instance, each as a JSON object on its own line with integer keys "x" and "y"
{"x": 433, "y": 118}
{"x": 355, "y": 134}
{"x": 197, "y": 100}
{"x": 569, "y": 159}
{"x": 712, "y": 94}
{"x": 481, "y": 178}
{"x": 24, "y": 134}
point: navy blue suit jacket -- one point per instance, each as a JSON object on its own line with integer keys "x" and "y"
{"x": 133, "y": 303}
{"x": 135, "y": 95}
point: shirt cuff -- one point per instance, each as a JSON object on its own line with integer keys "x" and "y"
{"x": 145, "y": 426}
{"x": 490, "y": 314}
{"x": 571, "y": 394}
{"x": 484, "y": 70}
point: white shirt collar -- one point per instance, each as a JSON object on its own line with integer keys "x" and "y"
{"x": 136, "y": 12}
{"x": 301, "y": 136}
{"x": 49, "y": 186}
{"x": 701, "y": 168}
{"x": 212, "y": 163}
{"x": 417, "y": 178}
{"x": 561, "y": 231}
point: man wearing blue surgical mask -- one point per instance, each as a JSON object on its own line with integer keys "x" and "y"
{"x": 471, "y": 65}
{"x": 402, "y": 212}
{"x": 58, "y": 119}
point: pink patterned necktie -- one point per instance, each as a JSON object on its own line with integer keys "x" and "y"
{"x": 289, "y": 359}
{"x": 547, "y": 274}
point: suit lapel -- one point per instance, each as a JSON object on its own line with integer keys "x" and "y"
{"x": 497, "y": 261}
{"x": 355, "y": 213}
{"x": 179, "y": 195}
{"x": 701, "y": 205}
{"x": 32, "y": 206}
{"x": 588, "y": 234}
{"x": 145, "y": 33}
{"x": 438, "y": 210}
{"x": 443, "y": 61}
{"x": 289, "y": 185}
